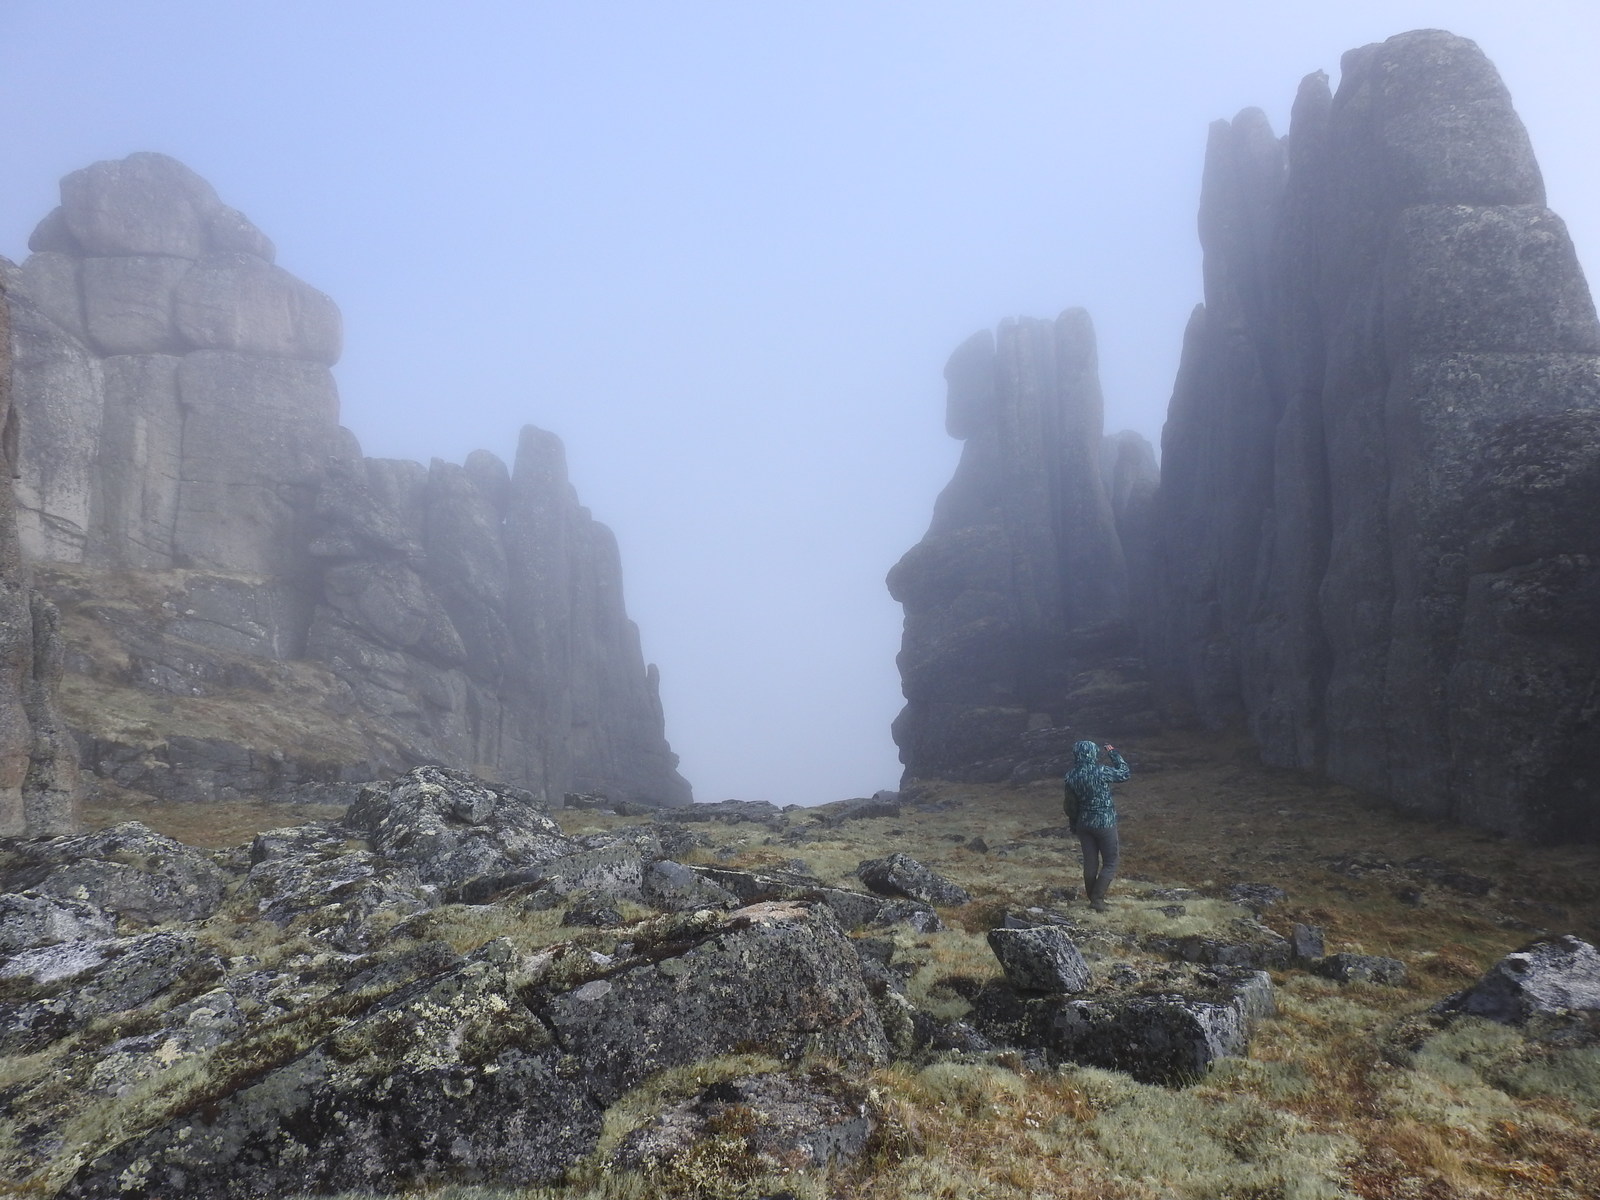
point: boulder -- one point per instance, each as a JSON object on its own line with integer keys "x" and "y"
{"x": 128, "y": 869}
{"x": 1244, "y": 943}
{"x": 1362, "y": 968}
{"x": 853, "y": 910}
{"x": 780, "y": 977}
{"x": 1553, "y": 976}
{"x": 1256, "y": 896}
{"x": 452, "y": 828}
{"x": 1040, "y": 959}
{"x": 1306, "y": 943}
{"x": 1167, "y": 1027}
{"x": 202, "y": 1024}
{"x": 882, "y": 804}
{"x": 338, "y": 892}
{"x": 142, "y": 204}
{"x": 731, "y": 812}
{"x": 902, "y": 875}
{"x": 1160, "y": 1038}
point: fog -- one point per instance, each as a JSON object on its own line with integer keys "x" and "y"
{"x": 723, "y": 249}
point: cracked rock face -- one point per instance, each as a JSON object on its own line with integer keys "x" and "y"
{"x": 1374, "y": 532}
{"x": 39, "y": 783}
{"x": 1016, "y": 600}
{"x": 179, "y": 419}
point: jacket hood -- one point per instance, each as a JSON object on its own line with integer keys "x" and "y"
{"x": 1086, "y": 754}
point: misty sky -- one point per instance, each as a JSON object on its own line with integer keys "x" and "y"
{"x": 723, "y": 250}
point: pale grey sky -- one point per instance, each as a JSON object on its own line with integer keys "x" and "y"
{"x": 723, "y": 249}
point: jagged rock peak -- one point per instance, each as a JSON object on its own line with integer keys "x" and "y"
{"x": 1381, "y": 448}
{"x": 1019, "y": 586}
{"x": 180, "y": 419}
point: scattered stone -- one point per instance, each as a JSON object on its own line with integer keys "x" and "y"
{"x": 592, "y": 912}
{"x": 1245, "y": 943}
{"x": 1169, "y": 893}
{"x": 1445, "y": 875}
{"x": 1172, "y": 910}
{"x": 881, "y": 804}
{"x": 902, "y": 875}
{"x": 1256, "y": 896}
{"x": 779, "y": 1122}
{"x": 1041, "y": 959}
{"x": 732, "y": 812}
{"x": 1363, "y": 968}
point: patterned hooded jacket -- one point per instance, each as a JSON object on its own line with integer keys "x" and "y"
{"x": 1090, "y": 783}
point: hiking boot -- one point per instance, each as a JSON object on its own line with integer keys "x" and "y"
{"x": 1098, "y": 904}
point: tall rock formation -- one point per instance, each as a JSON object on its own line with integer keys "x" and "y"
{"x": 1375, "y": 528}
{"x": 39, "y": 785}
{"x": 250, "y": 602}
{"x": 1016, "y": 600}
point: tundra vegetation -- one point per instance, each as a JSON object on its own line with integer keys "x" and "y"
{"x": 1352, "y": 1088}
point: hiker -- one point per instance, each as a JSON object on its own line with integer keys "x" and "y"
{"x": 1092, "y": 815}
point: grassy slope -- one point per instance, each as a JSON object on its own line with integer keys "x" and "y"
{"x": 1345, "y": 1093}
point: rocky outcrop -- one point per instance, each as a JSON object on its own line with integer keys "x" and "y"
{"x": 39, "y": 784}
{"x": 1016, "y": 600}
{"x": 211, "y": 533}
{"x": 1371, "y": 540}
{"x": 1381, "y": 462}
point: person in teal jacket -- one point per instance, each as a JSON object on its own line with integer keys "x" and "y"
{"x": 1092, "y": 815}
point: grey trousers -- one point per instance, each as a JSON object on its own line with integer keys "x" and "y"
{"x": 1101, "y": 851}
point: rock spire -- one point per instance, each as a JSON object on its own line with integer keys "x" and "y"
{"x": 1016, "y": 600}
{"x": 1381, "y": 461}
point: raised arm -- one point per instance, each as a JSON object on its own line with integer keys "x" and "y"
{"x": 1119, "y": 769}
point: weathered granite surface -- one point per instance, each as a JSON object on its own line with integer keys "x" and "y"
{"x": 39, "y": 784}
{"x": 1016, "y": 600}
{"x": 1375, "y": 524}
{"x": 204, "y": 522}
